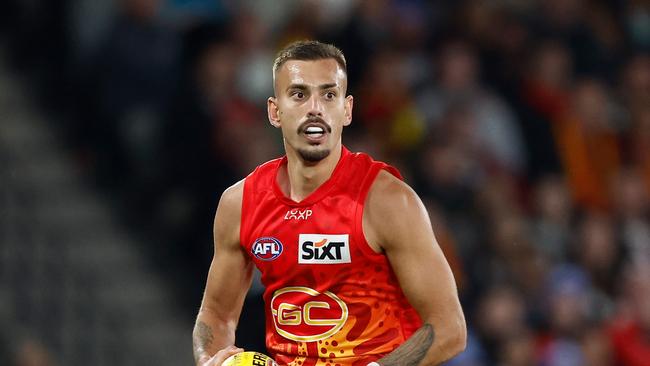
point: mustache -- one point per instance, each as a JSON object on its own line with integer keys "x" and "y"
{"x": 312, "y": 120}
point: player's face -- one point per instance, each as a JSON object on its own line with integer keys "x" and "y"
{"x": 310, "y": 107}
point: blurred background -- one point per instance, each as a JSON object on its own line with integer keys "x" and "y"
{"x": 524, "y": 126}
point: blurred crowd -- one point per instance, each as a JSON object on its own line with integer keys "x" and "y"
{"x": 524, "y": 126}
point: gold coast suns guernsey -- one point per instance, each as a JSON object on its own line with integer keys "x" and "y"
{"x": 330, "y": 299}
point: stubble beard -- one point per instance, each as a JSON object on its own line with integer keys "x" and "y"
{"x": 314, "y": 156}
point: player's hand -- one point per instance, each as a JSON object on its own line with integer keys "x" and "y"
{"x": 221, "y": 356}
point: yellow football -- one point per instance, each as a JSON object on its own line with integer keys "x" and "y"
{"x": 249, "y": 358}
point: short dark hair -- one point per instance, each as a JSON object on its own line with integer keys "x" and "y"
{"x": 308, "y": 51}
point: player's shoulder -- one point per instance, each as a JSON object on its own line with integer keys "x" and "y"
{"x": 231, "y": 198}
{"x": 227, "y": 218}
{"x": 263, "y": 175}
{"x": 389, "y": 191}
{"x": 390, "y": 208}
{"x": 266, "y": 167}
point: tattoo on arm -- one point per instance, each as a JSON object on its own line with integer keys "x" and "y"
{"x": 411, "y": 352}
{"x": 203, "y": 338}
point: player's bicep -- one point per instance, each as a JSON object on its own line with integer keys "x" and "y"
{"x": 230, "y": 274}
{"x": 425, "y": 278}
{"x": 402, "y": 228}
{"x": 229, "y": 279}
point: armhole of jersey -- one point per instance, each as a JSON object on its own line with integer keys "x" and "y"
{"x": 359, "y": 236}
{"x": 244, "y": 224}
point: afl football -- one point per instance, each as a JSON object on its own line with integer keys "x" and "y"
{"x": 249, "y": 358}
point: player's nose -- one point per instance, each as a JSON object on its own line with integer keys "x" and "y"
{"x": 315, "y": 106}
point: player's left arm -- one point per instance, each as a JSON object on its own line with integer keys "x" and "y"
{"x": 396, "y": 221}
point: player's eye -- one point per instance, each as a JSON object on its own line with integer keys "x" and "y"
{"x": 330, "y": 95}
{"x": 298, "y": 94}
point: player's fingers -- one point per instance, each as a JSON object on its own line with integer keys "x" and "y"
{"x": 221, "y": 356}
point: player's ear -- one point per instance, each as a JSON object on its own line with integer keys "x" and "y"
{"x": 273, "y": 112}
{"x": 349, "y": 102}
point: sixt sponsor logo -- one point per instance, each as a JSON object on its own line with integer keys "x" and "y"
{"x": 323, "y": 249}
{"x": 266, "y": 248}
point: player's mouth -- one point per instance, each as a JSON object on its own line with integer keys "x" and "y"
{"x": 315, "y": 130}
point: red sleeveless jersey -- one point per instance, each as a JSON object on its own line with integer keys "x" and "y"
{"x": 330, "y": 299}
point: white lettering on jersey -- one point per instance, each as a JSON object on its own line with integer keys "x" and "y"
{"x": 323, "y": 249}
{"x": 297, "y": 214}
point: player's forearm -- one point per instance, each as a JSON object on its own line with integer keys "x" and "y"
{"x": 210, "y": 335}
{"x": 428, "y": 346}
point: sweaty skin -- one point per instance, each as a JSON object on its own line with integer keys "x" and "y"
{"x": 395, "y": 223}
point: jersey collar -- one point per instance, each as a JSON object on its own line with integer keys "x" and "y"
{"x": 320, "y": 192}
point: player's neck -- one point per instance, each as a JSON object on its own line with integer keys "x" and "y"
{"x": 303, "y": 178}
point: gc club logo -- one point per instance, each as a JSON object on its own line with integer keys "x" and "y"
{"x": 303, "y": 314}
{"x": 266, "y": 248}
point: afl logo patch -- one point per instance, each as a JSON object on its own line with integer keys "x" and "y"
{"x": 266, "y": 248}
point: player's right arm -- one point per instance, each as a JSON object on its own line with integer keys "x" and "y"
{"x": 229, "y": 278}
